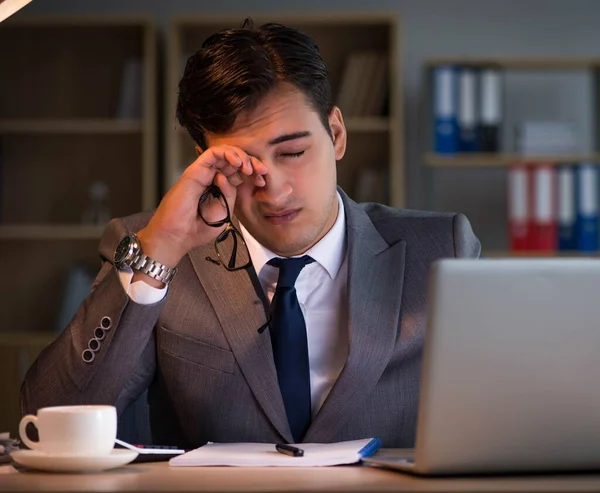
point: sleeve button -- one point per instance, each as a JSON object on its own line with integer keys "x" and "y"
{"x": 99, "y": 333}
{"x": 88, "y": 355}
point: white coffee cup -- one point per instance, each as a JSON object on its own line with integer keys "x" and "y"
{"x": 72, "y": 430}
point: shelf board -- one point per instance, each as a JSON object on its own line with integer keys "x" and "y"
{"x": 50, "y": 232}
{"x": 70, "y": 126}
{"x": 535, "y": 253}
{"x": 501, "y": 159}
{"x": 367, "y": 124}
{"x": 521, "y": 63}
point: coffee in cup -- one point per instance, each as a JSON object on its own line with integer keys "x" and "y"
{"x": 87, "y": 430}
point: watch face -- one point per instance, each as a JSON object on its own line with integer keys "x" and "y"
{"x": 122, "y": 250}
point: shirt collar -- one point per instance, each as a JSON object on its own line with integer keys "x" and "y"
{"x": 328, "y": 252}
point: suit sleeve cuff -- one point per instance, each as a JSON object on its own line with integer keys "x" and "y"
{"x": 139, "y": 291}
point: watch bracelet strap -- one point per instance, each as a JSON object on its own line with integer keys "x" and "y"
{"x": 152, "y": 268}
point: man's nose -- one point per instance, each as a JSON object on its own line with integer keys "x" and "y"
{"x": 277, "y": 188}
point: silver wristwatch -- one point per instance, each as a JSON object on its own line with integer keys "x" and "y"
{"x": 129, "y": 253}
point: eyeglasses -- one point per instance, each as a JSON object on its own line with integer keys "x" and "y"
{"x": 228, "y": 241}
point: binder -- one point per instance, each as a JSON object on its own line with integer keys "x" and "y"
{"x": 467, "y": 115}
{"x": 567, "y": 214}
{"x": 445, "y": 110}
{"x": 518, "y": 207}
{"x": 587, "y": 207}
{"x": 490, "y": 106}
{"x": 543, "y": 235}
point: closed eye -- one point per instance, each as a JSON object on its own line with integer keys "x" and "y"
{"x": 292, "y": 154}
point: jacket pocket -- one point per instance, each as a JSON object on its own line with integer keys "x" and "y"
{"x": 195, "y": 351}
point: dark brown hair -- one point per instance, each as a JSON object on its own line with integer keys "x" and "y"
{"x": 236, "y": 68}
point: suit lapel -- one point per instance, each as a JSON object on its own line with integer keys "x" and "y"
{"x": 375, "y": 281}
{"x": 240, "y": 308}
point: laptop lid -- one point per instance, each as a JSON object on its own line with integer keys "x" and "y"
{"x": 511, "y": 367}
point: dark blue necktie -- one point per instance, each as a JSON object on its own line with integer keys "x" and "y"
{"x": 290, "y": 346}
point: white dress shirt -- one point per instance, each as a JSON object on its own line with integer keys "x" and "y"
{"x": 322, "y": 293}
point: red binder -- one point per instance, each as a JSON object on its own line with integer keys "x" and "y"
{"x": 543, "y": 226}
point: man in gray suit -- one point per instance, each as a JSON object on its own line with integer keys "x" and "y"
{"x": 272, "y": 308}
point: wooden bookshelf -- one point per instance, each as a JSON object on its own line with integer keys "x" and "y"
{"x": 59, "y": 137}
{"x": 374, "y": 142}
{"x": 65, "y": 125}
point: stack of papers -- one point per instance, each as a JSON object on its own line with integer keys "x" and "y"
{"x": 265, "y": 454}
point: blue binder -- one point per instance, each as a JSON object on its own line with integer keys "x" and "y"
{"x": 587, "y": 207}
{"x": 467, "y": 110}
{"x": 567, "y": 208}
{"x": 446, "y": 136}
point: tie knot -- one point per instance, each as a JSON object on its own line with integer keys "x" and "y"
{"x": 289, "y": 269}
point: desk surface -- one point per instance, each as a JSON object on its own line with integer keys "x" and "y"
{"x": 159, "y": 477}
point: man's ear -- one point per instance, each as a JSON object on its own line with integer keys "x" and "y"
{"x": 198, "y": 150}
{"x": 338, "y": 132}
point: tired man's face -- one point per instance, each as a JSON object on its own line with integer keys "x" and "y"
{"x": 298, "y": 205}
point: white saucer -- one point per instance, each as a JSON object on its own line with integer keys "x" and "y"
{"x": 66, "y": 463}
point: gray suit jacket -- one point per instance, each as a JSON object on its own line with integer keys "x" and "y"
{"x": 210, "y": 374}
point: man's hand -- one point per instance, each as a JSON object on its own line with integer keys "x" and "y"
{"x": 176, "y": 227}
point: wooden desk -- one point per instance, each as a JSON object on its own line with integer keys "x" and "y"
{"x": 159, "y": 477}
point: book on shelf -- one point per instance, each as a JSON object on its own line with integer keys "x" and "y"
{"x": 546, "y": 138}
{"x": 130, "y": 102}
{"x": 364, "y": 84}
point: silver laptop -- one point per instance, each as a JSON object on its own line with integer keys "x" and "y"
{"x": 511, "y": 369}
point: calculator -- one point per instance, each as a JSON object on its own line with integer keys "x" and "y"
{"x": 152, "y": 453}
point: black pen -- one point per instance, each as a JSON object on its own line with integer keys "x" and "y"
{"x": 282, "y": 448}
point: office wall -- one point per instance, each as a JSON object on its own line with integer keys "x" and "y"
{"x": 442, "y": 28}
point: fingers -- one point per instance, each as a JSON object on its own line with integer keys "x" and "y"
{"x": 224, "y": 157}
{"x": 235, "y": 179}
{"x": 232, "y": 162}
{"x": 228, "y": 189}
{"x": 260, "y": 170}
{"x": 228, "y": 159}
{"x": 258, "y": 166}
